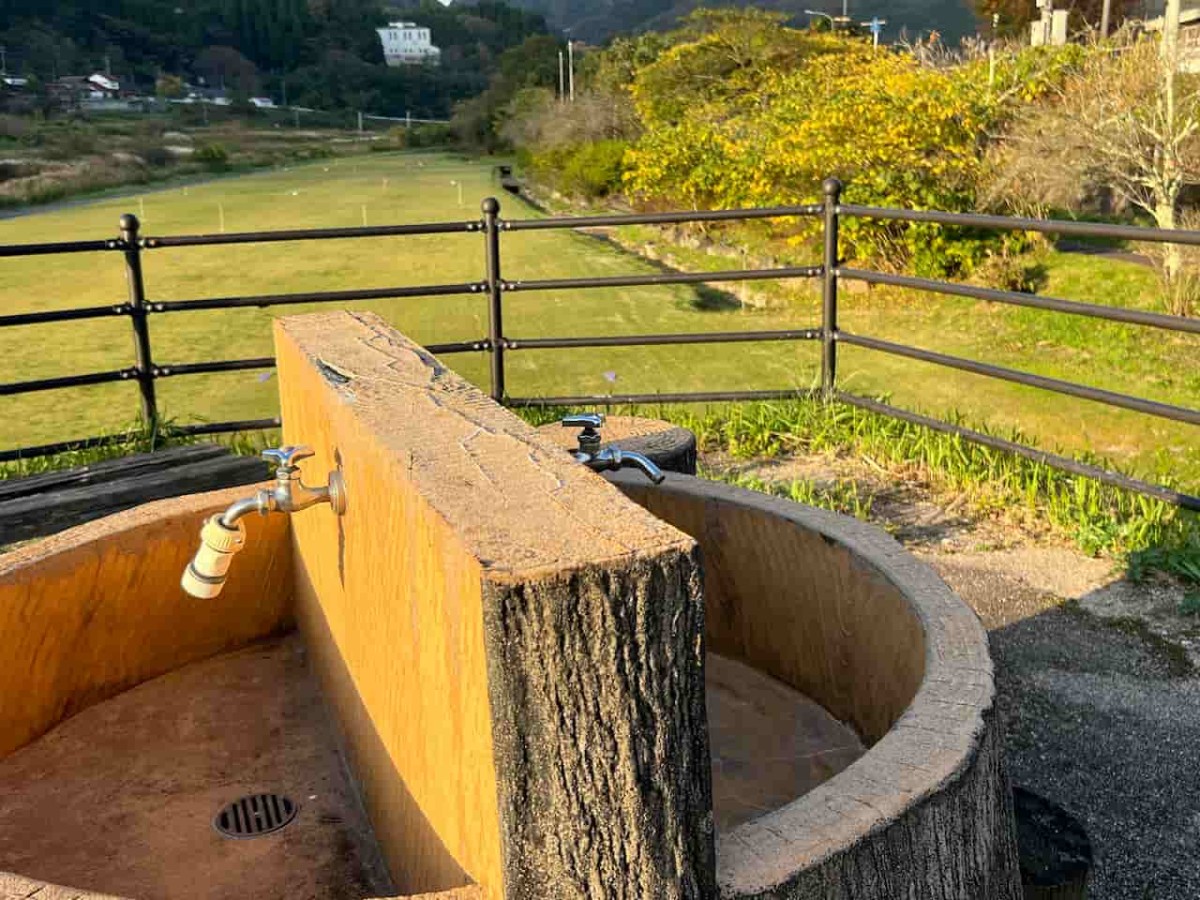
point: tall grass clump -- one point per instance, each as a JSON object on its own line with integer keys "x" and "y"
{"x": 1099, "y": 517}
{"x": 841, "y": 496}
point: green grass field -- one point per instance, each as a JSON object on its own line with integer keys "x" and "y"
{"x": 397, "y": 188}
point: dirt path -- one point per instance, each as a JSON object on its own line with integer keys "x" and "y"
{"x": 1099, "y": 692}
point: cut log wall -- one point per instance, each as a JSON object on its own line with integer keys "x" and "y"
{"x": 514, "y": 650}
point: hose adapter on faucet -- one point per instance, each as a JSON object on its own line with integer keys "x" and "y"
{"x": 224, "y": 535}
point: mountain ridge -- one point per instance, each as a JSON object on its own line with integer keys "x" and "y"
{"x": 595, "y": 21}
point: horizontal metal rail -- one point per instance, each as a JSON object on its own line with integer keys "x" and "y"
{"x": 556, "y": 284}
{"x": 1053, "y": 460}
{"x": 227, "y": 427}
{"x": 483, "y": 345}
{"x": 65, "y": 315}
{"x": 651, "y": 399}
{"x": 173, "y": 370}
{"x": 1033, "y": 301}
{"x": 663, "y": 340}
{"x": 61, "y": 247}
{"x": 308, "y": 234}
{"x": 714, "y": 215}
{"x": 59, "y": 447}
{"x": 1014, "y": 223}
{"x": 1111, "y": 398}
{"x": 265, "y": 300}
{"x": 66, "y": 381}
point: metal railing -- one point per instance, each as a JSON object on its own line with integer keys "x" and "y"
{"x": 497, "y": 343}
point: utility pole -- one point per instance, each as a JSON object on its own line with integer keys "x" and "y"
{"x": 562, "y": 76}
{"x": 1105, "y": 16}
{"x": 571, "y": 69}
{"x": 1170, "y": 38}
{"x": 3, "y": 60}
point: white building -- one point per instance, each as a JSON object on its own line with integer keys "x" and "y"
{"x": 406, "y": 43}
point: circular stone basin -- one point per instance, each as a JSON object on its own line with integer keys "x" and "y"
{"x": 839, "y": 612}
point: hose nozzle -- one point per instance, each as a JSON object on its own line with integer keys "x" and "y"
{"x": 205, "y": 575}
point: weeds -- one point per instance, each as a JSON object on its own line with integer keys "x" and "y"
{"x": 842, "y": 496}
{"x": 1098, "y": 517}
{"x": 134, "y": 438}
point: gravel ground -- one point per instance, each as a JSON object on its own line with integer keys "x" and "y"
{"x": 1104, "y": 719}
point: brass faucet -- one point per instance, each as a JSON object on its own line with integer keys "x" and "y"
{"x": 225, "y": 535}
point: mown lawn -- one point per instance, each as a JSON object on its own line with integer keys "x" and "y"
{"x": 419, "y": 187}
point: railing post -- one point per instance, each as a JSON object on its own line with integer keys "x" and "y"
{"x": 144, "y": 365}
{"x": 491, "y": 229}
{"x": 829, "y": 315}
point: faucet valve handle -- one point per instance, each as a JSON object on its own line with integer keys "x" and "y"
{"x": 589, "y": 438}
{"x": 287, "y": 459}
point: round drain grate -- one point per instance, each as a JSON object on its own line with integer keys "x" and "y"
{"x": 254, "y": 816}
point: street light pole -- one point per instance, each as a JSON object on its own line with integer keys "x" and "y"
{"x": 823, "y": 15}
{"x": 1104, "y": 19}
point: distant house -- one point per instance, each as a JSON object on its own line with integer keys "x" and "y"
{"x": 408, "y": 44}
{"x": 13, "y": 82}
{"x": 86, "y": 88}
{"x": 1189, "y": 38}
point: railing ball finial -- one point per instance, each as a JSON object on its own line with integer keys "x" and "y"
{"x": 832, "y": 187}
{"x": 490, "y": 206}
{"x": 129, "y": 225}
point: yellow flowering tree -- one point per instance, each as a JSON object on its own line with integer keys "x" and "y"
{"x": 898, "y": 133}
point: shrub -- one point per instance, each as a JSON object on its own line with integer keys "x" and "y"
{"x": 595, "y": 170}
{"x": 214, "y": 155}
{"x": 430, "y": 135}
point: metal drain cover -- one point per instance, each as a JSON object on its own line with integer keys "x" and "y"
{"x": 256, "y": 815}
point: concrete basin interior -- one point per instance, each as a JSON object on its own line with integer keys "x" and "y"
{"x": 837, "y": 613}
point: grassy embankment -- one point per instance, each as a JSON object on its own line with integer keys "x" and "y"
{"x": 43, "y": 161}
{"x": 411, "y": 188}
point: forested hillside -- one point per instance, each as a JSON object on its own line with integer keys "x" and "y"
{"x": 322, "y": 53}
{"x": 596, "y": 20}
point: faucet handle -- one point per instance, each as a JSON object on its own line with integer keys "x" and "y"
{"x": 287, "y": 458}
{"x": 584, "y": 420}
{"x": 589, "y": 438}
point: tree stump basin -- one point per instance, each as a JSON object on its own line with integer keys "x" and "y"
{"x": 495, "y": 677}
{"x": 838, "y": 611}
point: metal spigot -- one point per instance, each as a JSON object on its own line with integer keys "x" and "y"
{"x": 224, "y": 535}
{"x": 589, "y": 438}
{"x": 610, "y": 459}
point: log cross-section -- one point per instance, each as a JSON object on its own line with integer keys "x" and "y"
{"x": 514, "y": 651}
